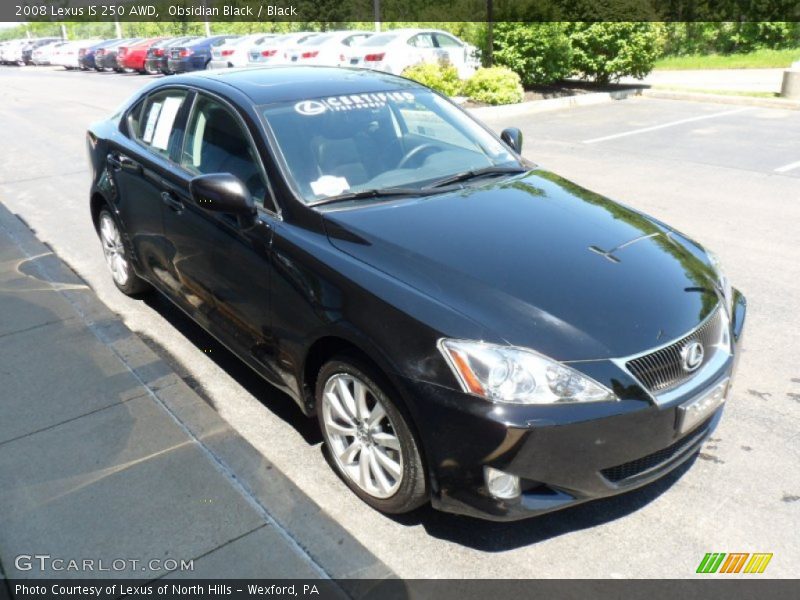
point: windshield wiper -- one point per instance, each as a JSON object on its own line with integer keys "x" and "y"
{"x": 372, "y": 193}
{"x": 474, "y": 173}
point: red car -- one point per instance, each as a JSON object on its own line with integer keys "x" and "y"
{"x": 133, "y": 56}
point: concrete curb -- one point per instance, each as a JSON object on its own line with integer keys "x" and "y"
{"x": 722, "y": 99}
{"x": 328, "y": 545}
{"x": 537, "y": 106}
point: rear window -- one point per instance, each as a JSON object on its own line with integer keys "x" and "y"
{"x": 380, "y": 40}
{"x": 317, "y": 40}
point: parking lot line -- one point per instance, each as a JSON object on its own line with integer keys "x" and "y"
{"x": 665, "y": 125}
{"x": 789, "y": 167}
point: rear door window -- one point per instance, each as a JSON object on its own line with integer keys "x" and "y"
{"x": 153, "y": 125}
{"x": 421, "y": 40}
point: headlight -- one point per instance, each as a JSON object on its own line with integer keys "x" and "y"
{"x": 722, "y": 280}
{"x": 518, "y": 375}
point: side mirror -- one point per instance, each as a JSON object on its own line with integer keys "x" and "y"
{"x": 223, "y": 192}
{"x": 513, "y": 137}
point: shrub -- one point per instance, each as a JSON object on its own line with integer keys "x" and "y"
{"x": 538, "y": 52}
{"x": 441, "y": 77}
{"x": 607, "y": 51}
{"x": 726, "y": 38}
{"x": 495, "y": 85}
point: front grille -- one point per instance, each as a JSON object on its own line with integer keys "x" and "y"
{"x": 631, "y": 469}
{"x": 663, "y": 369}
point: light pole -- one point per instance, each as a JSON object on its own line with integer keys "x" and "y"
{"x": 376, "y": 10}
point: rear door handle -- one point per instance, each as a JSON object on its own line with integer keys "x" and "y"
{"x": 120, "y": 162}
{"x": 171, "y": 201}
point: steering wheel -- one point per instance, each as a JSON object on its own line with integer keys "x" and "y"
{"x": 415, "y": 152}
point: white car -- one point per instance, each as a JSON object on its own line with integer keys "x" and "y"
{"x": 395, "y": 50}
{"x": 330, "y": 49}
{"x": 67, "y": 55}
{"x": 235, "y": 52}
{"x": 43, "y": 55}
{"x": 11, "y": 52}
{"x": 272, "y": 51}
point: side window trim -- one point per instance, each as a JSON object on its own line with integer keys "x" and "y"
{"x": 197, "y": 94}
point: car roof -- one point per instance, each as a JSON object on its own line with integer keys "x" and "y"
{"x": 265, "y": 85}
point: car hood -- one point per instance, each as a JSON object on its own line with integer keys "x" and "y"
{"x": 540, "y": 261}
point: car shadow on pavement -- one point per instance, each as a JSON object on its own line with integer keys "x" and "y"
{"x": 280, "y": 404}
{"x": 490, "y": 536}
{"x": 487, "y": 536}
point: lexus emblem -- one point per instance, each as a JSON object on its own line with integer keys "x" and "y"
{"x": 692, "y": 356}
{"x": 310, "y": 108}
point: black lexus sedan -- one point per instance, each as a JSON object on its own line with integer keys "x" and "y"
{"x": 467, "y": 328}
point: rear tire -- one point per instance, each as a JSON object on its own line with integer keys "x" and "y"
{"x": 368, "y": 437}
{"x": 117, "y": 256}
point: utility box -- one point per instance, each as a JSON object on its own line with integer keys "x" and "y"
{"x": 791, "y": 82}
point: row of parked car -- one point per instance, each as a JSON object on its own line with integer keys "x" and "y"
{"x": 391, "y": 51}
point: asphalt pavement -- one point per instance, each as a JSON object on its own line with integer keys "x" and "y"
{"x": 723, "y": 175}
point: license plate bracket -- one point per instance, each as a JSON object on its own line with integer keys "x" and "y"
{"x": 699, "y": 408}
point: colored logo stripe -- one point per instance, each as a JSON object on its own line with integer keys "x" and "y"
{"x": 713, "y": 562}
{"x": 734, "y": 562}
{"x": 758, "y": 563}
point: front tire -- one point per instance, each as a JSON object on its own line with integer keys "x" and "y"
{"x": 116, "y": 255}
{"x": 368, "y": 437}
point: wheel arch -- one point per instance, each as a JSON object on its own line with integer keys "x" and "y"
{"x": 96, "y": 204}
{"x": 327, "y": 347}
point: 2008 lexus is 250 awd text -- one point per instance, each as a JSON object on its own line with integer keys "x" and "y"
{"x": 468, "y": 329}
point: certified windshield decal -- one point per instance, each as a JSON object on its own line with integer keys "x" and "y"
{"x": 310, "y": 107}
{"x": 350, "y": 102}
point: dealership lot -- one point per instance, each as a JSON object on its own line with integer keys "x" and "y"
{"x": 721, "y": 174}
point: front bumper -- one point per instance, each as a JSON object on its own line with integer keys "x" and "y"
{"x": 564, "y": 455}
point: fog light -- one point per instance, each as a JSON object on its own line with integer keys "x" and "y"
{"x": 501, "y": 485}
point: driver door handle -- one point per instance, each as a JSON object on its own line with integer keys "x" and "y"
{"x": 171, "y": 201}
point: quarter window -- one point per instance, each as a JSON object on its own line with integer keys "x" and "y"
{"x": 154, "y": 125}
{"x": 216, "y": 143}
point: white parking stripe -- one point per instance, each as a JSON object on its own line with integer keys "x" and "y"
{"x": 663, "y": 126}
{"x": 789, "y": 167}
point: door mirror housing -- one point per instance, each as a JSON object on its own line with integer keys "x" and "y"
{"x": 513, "y": 137}
{"x": 225, "y": 193}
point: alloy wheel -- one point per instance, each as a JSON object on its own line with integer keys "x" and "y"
{"x": 362, "y": 438}
{"x": 114, "y": 250}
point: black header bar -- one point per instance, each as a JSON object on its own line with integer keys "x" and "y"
{"x": 342, "y": 11}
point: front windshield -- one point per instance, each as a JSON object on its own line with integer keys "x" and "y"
{"x": 356, "y": 142}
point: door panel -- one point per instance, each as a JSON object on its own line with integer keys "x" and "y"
{"x": 222, "y": 271}
{"x": 138, "y": 166}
